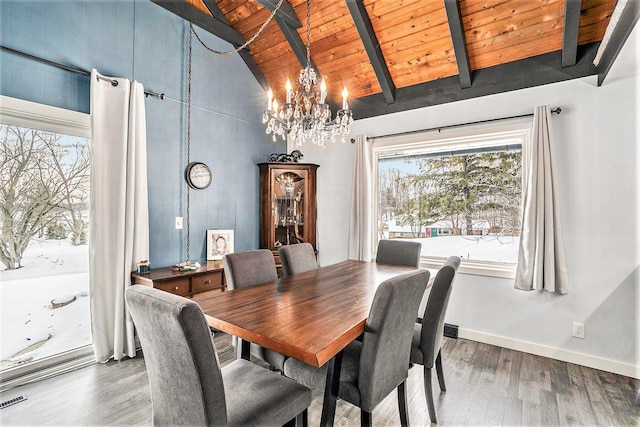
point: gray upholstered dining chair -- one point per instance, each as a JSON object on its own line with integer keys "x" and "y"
{"x": 250, "y": 268}
{"x": 242, "y": 269}
{"x": 297, "y": 258}
{"x": 399, "y": 252}
{"x": 188, "y": 387}
{"x": 428, "y": 332}
{"x": 373, "y": 367}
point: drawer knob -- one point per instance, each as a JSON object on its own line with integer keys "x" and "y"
{"x": 207, "y": 282}
{"x": 176, "y": 288}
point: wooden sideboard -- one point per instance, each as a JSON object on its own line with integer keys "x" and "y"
{"x": 207, "y": 279}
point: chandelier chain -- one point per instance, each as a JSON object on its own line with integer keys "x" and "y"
{"x": 189, "y": 139}
{"x": 308, "y": 33}
{"x": 305, "y": 117}
{"x": 248, "y": 42}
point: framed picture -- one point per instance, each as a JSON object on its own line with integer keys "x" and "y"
{"x": 219, "y": 243}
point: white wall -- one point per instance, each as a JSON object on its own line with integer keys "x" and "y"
{"x": 334, "y": 197}
{"x": 597, "y": 161}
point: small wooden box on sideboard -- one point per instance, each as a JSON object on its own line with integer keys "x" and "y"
{"x": 208, "y": 279}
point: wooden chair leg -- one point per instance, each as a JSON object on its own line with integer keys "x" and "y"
{"x": 402, "y": 404}
{"x": 365, "y": 418}
{"x": 429, "y": 394}
{"x": 440, "y": 372}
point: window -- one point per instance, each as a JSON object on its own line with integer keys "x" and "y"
{"x": 457, "y": 193}
{"x": 45, "y": 158}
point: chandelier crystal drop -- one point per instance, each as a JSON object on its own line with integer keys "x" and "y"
{"x": 305, "y": 117}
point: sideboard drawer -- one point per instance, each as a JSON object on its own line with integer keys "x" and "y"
{"x": 206, "y": 279}
{"x": 206, "y": 282}
{"x": 175, "y": 286}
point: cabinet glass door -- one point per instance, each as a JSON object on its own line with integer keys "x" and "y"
{"x": 288, "y": 203}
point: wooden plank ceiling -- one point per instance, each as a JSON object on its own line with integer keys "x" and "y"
{"x": 393, "y": 55}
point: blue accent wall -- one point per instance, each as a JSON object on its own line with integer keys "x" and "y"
{"x": 142, "y": 41}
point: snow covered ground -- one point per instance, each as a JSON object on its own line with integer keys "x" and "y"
{"x": 52, "y": 269}
{"x": 486, "y": 248}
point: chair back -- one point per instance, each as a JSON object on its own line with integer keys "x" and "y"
{"x": 433, "y": 320}
{"x": 242, "y": 269}
{"x": 182, "y": 364}
{"x": 297, "y": 258}
{"x": 384, "y": 361}
{"x": 399, "y": 252}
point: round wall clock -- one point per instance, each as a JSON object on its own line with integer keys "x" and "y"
{"x": 198, "y": 175}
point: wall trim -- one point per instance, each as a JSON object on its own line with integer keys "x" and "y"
{"x": 472, "y": 267}
{"x": 553, "y": 353}
{"x": 18, "y": 112}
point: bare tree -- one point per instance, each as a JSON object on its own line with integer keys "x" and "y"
{"x": 42, "y": 180}
{"x": 70, "y": 162}
{"x": 387, "y": 198}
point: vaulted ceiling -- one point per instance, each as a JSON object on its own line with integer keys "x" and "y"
{"x": 403, "y": 54}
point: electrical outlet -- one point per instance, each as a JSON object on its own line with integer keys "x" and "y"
{"x": 578, "y": 330}
{"x": 178, "y": 223}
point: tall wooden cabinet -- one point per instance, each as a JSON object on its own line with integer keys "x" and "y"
{"x": 287, "y": 205}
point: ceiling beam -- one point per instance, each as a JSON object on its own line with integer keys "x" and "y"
{"x": 295, "y": 41}
{"x": 298, "y": 47}
{"x": 244, "y": 53}
{"x": 454, "y": 17}
{"x": 215, "y": 11}
{"x": 289, "y": 30}
{"x": 202, "y": 20}
{"x": 570, "y": 33}
{"x": 286, "y": 12}
{"x": 372, "y": 46}
{"x": 529, "y": 72}
{"x": 255, "y": 70}
{"x": 628, "y": 18}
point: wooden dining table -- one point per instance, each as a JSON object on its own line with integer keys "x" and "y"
{"x": 310, "y": 316}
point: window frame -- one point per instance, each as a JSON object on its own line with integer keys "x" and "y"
{"x": 451, "y": 139}
{"x": 27, "y": 114}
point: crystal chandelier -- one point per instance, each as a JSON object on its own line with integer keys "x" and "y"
{"x": 305, "y": 117}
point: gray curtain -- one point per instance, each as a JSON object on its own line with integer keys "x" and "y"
{"x": 361, "y": 201}
{"x": 541, "y": 261}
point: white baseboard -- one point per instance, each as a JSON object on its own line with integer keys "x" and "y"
{"x": 553, "y": 353}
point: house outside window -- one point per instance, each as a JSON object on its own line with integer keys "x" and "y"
{"x": 457, "y": 192}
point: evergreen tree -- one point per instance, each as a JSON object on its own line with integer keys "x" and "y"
{"x": 463, "y": 188}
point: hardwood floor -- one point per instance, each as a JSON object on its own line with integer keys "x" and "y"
{"x": 486, "y": 385}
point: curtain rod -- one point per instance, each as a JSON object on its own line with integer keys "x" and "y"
{"x": 556, "y": 110}
{"x": 73, "y": 70}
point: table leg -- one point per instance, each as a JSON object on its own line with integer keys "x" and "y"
{"x": 245, "y": 349}
{"x": 331, "y": 388}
